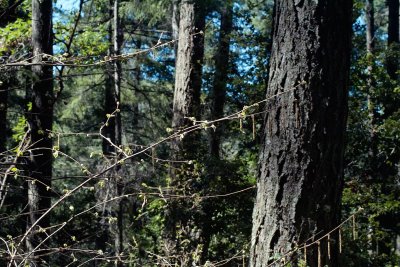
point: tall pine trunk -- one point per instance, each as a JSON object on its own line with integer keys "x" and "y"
{"x": 393, "y": 38}
{"x": 370, "y": 43}
{"x": 221, "y": 77}
{"x": 188, "y": 79}
{"x": 217, "y": 96}
{"x": 301, "y": 162}
{"x": 110, "y": 238}
{"x": 40, "y": 119}
{"x": 175, "y": 23}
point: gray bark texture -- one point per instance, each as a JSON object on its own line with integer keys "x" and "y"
{"x": 189, "y": 63}
{"x": 40, "y": 119}
{"x": 175, "y": 23}
{"x": 301, "y": 161}
{"x": 188, "y": 74}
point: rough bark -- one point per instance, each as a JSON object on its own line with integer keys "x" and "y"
{"x": 393, "y": 38}
{"x": 188, "y": 65}
{"x": 221, "y": 77}
{"x": 40, "y": 119}
{"x": 301, "y": 161}
{"x": 188, "y": 73}
{"x": 110, "y": 238}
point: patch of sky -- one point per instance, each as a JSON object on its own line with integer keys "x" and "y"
{"x": 67, "y": 5}
{"x": 63, "y": 8}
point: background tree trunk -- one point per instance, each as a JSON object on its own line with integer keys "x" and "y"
{"x": 175, "y": 23}
{"x": 217, "y": 96}
{"x": 300, "y": 182}
{"x": 393, "y": 38}
{"x": 117, "y": 40}
{"x": 40, "y": 119}
{"x": 188, "y": 80}
{"x": 370, "y": 42}
{"x": 4, "y": 87}
{"x": 370, "y": 20}
{"x": 221, "y": 77}
{"x": 111, "y": 221}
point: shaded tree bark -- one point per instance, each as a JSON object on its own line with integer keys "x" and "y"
{"x": 221, "y": 77}
{"x": 188, "y": 74}
{"x": 301, "y": 162}
{"x": 217, "y": 96}
{"x": 393, "y": 38}
{"x": 370, "y": 21}
{"x": 40, "y": 119}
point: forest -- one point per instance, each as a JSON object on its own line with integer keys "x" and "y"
{"x": 199, "y": 133}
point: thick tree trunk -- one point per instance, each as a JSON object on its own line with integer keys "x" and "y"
{"x": 221, "y": 77}
{"x": 188, "y": 73}
{"x": 40, "y": 119}
{"x": 393, "y": 38}
{"x": 111, "y": 221}
{"x": 188, "y": 65}
{"x": 301, "y": 162}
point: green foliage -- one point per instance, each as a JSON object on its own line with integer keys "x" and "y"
{"x": 217, "y": 192}
{"x": 19, "y": 129}
{"x": 372, "y": 181}
{"x": 15, "y": 35}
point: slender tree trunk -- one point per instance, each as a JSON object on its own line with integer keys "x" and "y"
{"x": 118, "y": 39}
{"x": 137, "y": 78}
{"x": 4, "y": 84}
{"x": 111, "y": 221}
{"x": 217, "y": 111}
{"x": 188, "y": 73}
{"x": 175, "y": 23}
{"x": 301, "y": 162}
{"x": 370, "y": 20}
{"x": 221, "y": 76}
{"x": 393, "y": 38}
{"x": 370, "y": 42}
{"x": 40, "y": 119}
